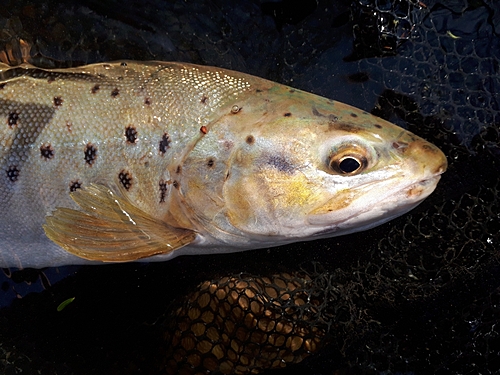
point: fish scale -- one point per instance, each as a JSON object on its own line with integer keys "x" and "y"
{"x": 90, "y": 116}
{"x": 130, "y": 160}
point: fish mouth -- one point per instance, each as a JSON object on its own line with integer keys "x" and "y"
{"x": 392, "y": 205}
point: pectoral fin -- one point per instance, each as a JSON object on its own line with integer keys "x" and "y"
{"x": 110, "y": 228}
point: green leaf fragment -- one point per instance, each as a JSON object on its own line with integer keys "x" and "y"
{"x": 65, "y": 303}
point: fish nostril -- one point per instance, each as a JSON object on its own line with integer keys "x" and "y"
{"x": 401, "y": 146}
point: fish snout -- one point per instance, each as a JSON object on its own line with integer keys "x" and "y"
{"x": 427, "y": 158}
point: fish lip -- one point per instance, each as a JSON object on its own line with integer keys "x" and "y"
{"x": 399, "y": 211}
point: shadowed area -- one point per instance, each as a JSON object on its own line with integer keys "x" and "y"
{"x": 417, "y": 295}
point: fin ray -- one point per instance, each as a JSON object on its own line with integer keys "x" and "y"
{"x": 110, "y": 228}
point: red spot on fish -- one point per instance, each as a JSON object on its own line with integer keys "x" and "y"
{"x": 204, "y": 129}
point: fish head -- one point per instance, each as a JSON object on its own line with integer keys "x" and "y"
{"x": 314, "y": 168}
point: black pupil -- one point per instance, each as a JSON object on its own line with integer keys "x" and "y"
{"x": 349, "y": 165}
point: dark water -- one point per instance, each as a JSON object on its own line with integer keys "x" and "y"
{"x": 422, "y": 292}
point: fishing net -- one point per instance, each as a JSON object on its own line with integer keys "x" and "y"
{"x": 243, "y": 324}
{"x": 419, "y": 295}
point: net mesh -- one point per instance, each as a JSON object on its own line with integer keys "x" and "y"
{"x": 419, "y": 295}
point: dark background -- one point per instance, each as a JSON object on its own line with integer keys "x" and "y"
{"x": 422, "y": 291}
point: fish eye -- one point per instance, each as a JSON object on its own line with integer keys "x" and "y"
{"x": 347, "y": 162}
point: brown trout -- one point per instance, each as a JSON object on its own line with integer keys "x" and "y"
{"x": 124, "y": 161}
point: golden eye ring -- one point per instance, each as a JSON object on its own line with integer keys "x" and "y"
{"x": 347, "y": 164}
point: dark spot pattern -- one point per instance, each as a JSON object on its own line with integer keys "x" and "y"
{"x": 69, "y": 124}
{"x": 2, "y": 85}
{"x": 179, "y": 169}
{"x": 123, "y": 63}
{"x": 176, "y": 184}
{"x": 280, "y": 163}
{"x": 47, "y": 151}
{"x": 250, "y": 139}
{"x": 288, "y": 114}
{"x": 90, "y": 154}
{"x": 164, "y": 143}
{"x": 258, "y": 90}
{"x": 291, "y": 91}
{"x": 163, "y": 190}
{"x": 51, "y": 79}
{"x": 13, "y": 173}
{"x": 204, "y": 129}
{"x": 315, "y": 112}
{"x": 75, "y": 185}
{"x": 131, "y": 134}
{"x": 204, "y": 100}
{"x": 147, "y": 101}
{"x": 210, "y": 162}
{"x": 125, "y": 179}
{"x": 115, "y": 93}
{"x": 58, "y": 101}
{"x": 13, "y": 118}
{"x": 95, "y": 89}
{"x": 378, "y": 126}
{"x": 354, "y": 115}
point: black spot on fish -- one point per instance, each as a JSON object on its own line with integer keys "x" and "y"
{"x": 164, "y": 143}
{"x": 47, "y": 151}
{"x": 179, "y": 169}
{"x": 13, "y": 118}
{"x": 51, "y": 79}
{"x": 58, "y": 101}
{"x": 280, "y": 163}
{"x": 250, "y": 139}
{"x": 90, "y": 154}
{"x": 95, "y": 89}
{"x": 258, "y": 90}
{"x": 291, "y": 91}
{"x": 115, "y": 93}
{"x": 378, "y": 126}
{"x": 354, "y": 115}
{"x": 163, "y": 190}
{"x": 288, "y": 114}
{"x": 69, "y": 124}
{"x": 204, "y": 100}
{"x": 13, "y": 173}
{"x": 123, "y": 63}
{"x": 176, "y": 184}
{"x": 2, "y": 85}
{"x": 147, "y": 101}
{"x": 210, "y": 162}
{"x": 131, "y": 134}
{"x": 125, "y": 179}
{"x": 75, "y": 185}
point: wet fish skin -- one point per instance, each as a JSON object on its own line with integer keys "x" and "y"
{"x": 129, "y": 160}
